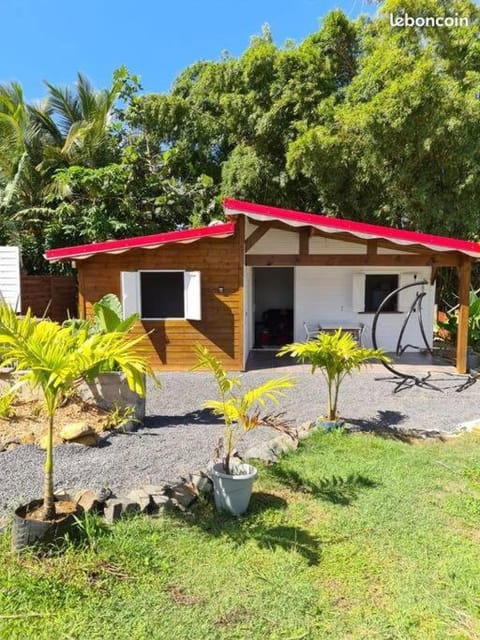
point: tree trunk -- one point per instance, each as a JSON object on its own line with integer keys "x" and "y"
{"x": 335, "y": 401}
{"x": 48, "y": 498}
{"x": 330, "y": 408}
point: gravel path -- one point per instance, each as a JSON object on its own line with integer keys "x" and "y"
{"x": 179, "y": 437}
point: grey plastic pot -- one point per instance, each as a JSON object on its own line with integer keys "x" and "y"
{"x": 232, "y": 492}
{"x": 473, "y": 359}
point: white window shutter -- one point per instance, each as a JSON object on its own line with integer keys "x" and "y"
{"x": 193, "y": 295}
{"x": 130, "y": 293}
{"x": 406, "y": 297}
{"x": 358, "y": 297}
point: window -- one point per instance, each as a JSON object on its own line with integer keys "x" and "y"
{"x": 162, "y": 294}
{"x": 370, "y": 289}
{"x": 377, "y": 288}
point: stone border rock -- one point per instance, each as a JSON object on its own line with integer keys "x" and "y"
{"x": 149, "y": 499}
{"x": 153, "y": 500}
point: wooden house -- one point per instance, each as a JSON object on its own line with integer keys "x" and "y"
{"x": 258, "y": 279}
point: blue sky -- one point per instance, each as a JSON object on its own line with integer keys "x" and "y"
{"x": 53, "y": 39}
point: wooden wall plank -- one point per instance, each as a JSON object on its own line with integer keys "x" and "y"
{"x": 170, "y": 346}
{"x": 58, "y": 294}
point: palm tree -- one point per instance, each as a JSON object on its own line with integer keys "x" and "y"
{"x": 336, "y": 355}
{"x": 18, "y": 136}
{"x": 13, "y": 126}
{"x": 52, "y": 358}
{"x": 21, "y": 183}
{"x": 70, "y": 127}
{"x": 77, "y": 124}
{"x": 237, "y": 410}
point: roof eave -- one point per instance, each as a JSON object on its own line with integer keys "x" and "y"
{"x": 363, "y": 231}
{"x": 82, "y": 252}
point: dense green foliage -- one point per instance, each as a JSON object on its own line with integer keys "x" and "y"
{"x": 353, "y": 536}
{"x": 359, "y": 120}
{"x": 107, "y": 317}
{"x": 451, "y": 323}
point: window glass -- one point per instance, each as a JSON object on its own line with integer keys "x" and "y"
{"x": 162, "y": 294}
{"x": 377, "y": 287}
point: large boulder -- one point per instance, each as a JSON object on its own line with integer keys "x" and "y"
{"x": 110, "y": 391}
{"x": 75, "y": 430}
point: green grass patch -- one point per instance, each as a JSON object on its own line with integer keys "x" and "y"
{"x": 352, "y": 536}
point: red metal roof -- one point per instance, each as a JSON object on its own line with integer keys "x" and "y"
{"x": 83, "y": 251}
{"x": 359, "y": 229}
{"x": 262, "y": 212}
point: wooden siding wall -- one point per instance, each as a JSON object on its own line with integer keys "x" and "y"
{"x": 169, "y": 346}
{"x": 59, "y": 291}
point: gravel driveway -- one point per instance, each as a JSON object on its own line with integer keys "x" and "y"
{"x": 179, "y": 437}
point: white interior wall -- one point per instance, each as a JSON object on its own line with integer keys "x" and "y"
{"x": 325, "y": 295}
{"x": 248, "y": 325}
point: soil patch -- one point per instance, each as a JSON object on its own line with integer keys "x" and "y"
{"x": 63, "y": 508}
{"x": 28, "y": 421}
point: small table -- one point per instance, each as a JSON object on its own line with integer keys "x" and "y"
{"x": 355, "y": 329}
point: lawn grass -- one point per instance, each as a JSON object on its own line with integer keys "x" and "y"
{"x": 352, "y": 536}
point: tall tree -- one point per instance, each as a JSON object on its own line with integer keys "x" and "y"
{"x": 69, "y": 128}
{"x": 402, "y": 147}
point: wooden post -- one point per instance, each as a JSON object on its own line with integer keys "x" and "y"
{"x": 462, "y": 333}
{"x": 240, "y": 355}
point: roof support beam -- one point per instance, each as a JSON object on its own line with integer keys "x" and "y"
{"x": 352, "y": 260}
{"x": 255, "y": 236}
{"x": 463, "y": 309}
{"x": 304, "y": 241}
{"x": 372, "y": 246}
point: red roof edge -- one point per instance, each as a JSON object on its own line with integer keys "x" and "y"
{"x": 350, "y": 226}
{"x": 138, "y": 242}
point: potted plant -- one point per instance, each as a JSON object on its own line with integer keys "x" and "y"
{"x": 106, "y": 385}
{"x": 449, "y": 329}
{"x": 335, "y": 355}
{"x": 233, "y": 480}
{"x": 53, "y": 358}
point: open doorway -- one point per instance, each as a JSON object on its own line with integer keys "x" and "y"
{"x": 273, "y": 306}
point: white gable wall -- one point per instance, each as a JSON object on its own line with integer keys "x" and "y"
{"x": 286, "y": 242}
{"x": 277, "y": 241}
{"x": 10, "y": 276}
{"x": 324, "y": 295}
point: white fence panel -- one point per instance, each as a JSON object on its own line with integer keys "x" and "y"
{"x": 10, "y": 276}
